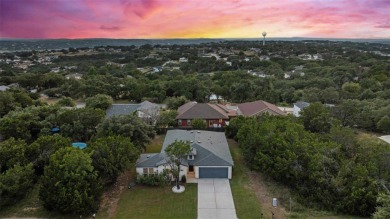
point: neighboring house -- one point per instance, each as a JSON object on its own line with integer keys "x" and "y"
{"x": 215, "y": 115}
{"x": 3, "y": 88}
{"x": 146, "y": 110}
{"x": 286, "y": 110}
{"x": 209, "y": 157}
{"x": 298, "y": 107}
{"x": 259, "y": 107}
{"x": 76, "y": 76}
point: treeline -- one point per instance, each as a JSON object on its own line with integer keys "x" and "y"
{"x": 339, "y": 170}
{"x": 71, "y": 180}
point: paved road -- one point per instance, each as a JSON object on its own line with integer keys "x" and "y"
{"x": 215, "y": 199}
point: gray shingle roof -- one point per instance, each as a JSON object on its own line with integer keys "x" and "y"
{"x": 211, "y": 149}
{"x": 121, "y": 109}
{"x": 301, "y": 104}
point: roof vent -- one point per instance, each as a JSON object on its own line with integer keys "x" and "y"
{"x": 147, "y": 156}
{"x": 192, "y": 141}
{"x": 192, "y": 131}
{"x": 198, "y": 131}
{"x": 198, "y": 141}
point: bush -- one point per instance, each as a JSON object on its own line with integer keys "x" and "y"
{"x": 183, "y": 179}
{"x": 199, "y": 124}
{"x": 154, "y": 180}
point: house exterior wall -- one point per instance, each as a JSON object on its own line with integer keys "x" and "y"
{"x": 296, "y": 111}
{"x": 196, "y": 170}
{"x": 159, "y": 169}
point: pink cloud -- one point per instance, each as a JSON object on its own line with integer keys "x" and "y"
{"x": 193, "y": 18}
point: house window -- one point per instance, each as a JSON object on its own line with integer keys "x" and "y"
{"x": 188, "y": 122}
{"x": 179, "y": 121}
{"x": 190, "y": 157}
{"x": 149, "y": 171}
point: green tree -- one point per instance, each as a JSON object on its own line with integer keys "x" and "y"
{"x": 15, "y": 183}
{"x": 99, "y": 101}
{"x": 66, "y": 101}
{"x": 39, "y": 151}
{"x": 112, "y": 155}
{"x": 384, "y": 124}
{"x": 316, "y": 118}
{"x": 199, "y": 124}
{"x": 176, "y": 102}
{"x": 12, "y": 152}
{"x": 176, "y": 153}
{"x": 79, "y": 124}
{"x": 167, "y": 118}
{"x": 383, "y": 208}
{"x": 70, "y": 184}
{"x": 127, "y": 126}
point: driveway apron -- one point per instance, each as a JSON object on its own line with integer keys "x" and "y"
{"x": 215, "y": 199}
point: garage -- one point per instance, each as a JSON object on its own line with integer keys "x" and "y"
{"x": 213, "y": 172}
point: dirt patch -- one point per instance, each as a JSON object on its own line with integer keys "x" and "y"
{"x": 265, "y": 197}
{"x": 111, "y": 196}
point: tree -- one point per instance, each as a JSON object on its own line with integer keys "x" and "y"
{"x": 176, "y": 153}
{"x": 176, "y": 102}
{"x": 112, "y": 155}
{"x": 384, "y": 124}
{"x": 383, "y": 208}
{"x": 39, "y": 151}
{"x": 127, "y": 126}
{"x": 99, "y": 101}
{"x": 15, "y": 182}
{"x": 316, "y": 118}
{"x": 167, "y": 119}
{"x": 12, "y": 152}
{"x": 70, "y": 184}
{"x": 66, "y": 101}
{"x": 199, "y": 124}
{"x": 79, "y": 124}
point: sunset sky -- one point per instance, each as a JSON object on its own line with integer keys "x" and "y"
{"x": 194, "y": 18}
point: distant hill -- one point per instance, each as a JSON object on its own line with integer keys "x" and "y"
{"x": 57, "y": 44}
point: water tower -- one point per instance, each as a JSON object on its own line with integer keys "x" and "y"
{"x": 264, "y": 34}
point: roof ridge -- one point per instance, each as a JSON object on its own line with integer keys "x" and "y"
{"x": 218, "y": 109}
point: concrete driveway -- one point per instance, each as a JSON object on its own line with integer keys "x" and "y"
{"x": 215, "y": 199}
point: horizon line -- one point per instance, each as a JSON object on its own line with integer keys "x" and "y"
{"x": 205, "y": 38}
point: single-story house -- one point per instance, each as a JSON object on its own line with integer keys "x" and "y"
{"x": 256, "y": 108}
{"x": 209, "y": 157}
{"x": 298, "y": 107}
{"x": 146, "y": 110}
{"x": 215, "y": 115}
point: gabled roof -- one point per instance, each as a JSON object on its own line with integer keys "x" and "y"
{"x": 201, "y": 111}
{"x": 255, "y": 107}
{"x": 125, "y": 109}
{"x": 301, "y": 104}
{"x": 211, "y": 149}
{"x": 121, "y": 109}
{"x": 185, "y": 107}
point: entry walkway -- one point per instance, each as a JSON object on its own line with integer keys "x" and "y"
{"x": 215, "y": 199}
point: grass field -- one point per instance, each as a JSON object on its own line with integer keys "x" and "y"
{"x": 245, "y": 200}
{"x": 155, "y": 145}
{"x": 143, "y": 202}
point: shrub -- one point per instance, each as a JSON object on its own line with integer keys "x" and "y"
{"x": 183, "y": 179}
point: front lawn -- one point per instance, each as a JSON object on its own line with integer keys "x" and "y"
{"x": 158, "y": 203}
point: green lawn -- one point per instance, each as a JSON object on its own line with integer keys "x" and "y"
{"x": 245, "y": 200}
{"x": 143, "y": 202}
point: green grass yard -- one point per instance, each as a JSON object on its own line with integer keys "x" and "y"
{"x": 245, "y": 200}
{"x": 143, "y": 202}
